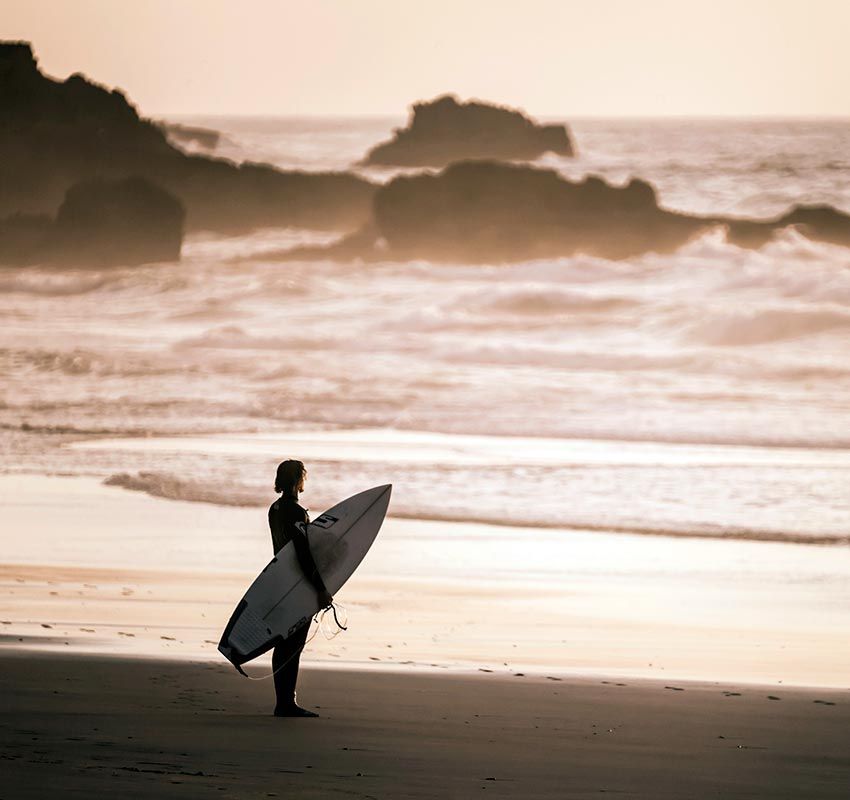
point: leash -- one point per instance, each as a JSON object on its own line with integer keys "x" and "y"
{"x": 327, "y": 632}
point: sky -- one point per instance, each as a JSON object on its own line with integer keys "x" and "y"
{"x": 579, "y": 58}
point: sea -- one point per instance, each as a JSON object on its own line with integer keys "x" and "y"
{"x": 703, "y": 393}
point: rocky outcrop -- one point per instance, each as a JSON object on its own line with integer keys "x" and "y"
{"x": 445, "y": 130}
{"x": 482, "y": 211}
{"x": 24, "y": 238}
{"x": 485, "y": 211}
{"x": 129, "y": 221}
{"x": 818, "y": 222}
{"x": 54, "y": 134}
{"x": 100, "y": 223}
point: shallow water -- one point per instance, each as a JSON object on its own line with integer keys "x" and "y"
{"x": 705, "y": 392}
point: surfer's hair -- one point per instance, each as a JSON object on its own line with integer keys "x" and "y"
{"x": 290, "y": 477}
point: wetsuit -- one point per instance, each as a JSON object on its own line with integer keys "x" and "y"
{"x": 284, "y": 513}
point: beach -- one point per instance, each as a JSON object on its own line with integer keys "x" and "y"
{"x": 163, "y": 581}
{"x": 592, "y": 679}
{"x": 196, "y": 729}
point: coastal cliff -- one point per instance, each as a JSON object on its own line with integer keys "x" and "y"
{"x": 54, "y": 134}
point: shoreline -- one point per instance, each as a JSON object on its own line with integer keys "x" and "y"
{"x": 156, "y": 728}
{"x": 121, "y": 572}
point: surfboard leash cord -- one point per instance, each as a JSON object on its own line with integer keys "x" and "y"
{"x": 319, "y": 619}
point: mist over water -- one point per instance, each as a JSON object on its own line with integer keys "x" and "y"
{"x": 709, "y": 390}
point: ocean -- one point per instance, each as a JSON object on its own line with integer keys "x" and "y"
{"x": 704, "y": 393}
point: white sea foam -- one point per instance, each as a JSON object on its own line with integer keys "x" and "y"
{"x": 711, "y": 344}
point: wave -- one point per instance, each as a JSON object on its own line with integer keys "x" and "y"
{"x": 53, "y": 283}
{"x": 165, "y": 485}
{"x": 736, "y": 328}
{"x": 75, "y": 430}
{"x": 232, "y": 337}
{"x": 75, "y": 363}
{"x": 670, "y": 531}
{"x": 579, "y": 361}
{"x": 545, "y": 299}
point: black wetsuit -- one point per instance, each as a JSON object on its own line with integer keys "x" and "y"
{"x": 284, "y": 513}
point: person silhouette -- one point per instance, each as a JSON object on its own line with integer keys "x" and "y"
{"x": 288, "y": 523}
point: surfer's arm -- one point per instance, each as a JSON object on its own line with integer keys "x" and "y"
{"x": 309, "y": 568}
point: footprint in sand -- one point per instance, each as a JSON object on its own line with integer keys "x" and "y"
{"x": 168, "y": 638}
{"x": 124, "y": 633}
{"x": 675, "y": 688}
{"x": 773, "y": 697}
{"x": 731, "y": 694}
{"x": 88, "y": 630}
{"x": 824, "y": 702}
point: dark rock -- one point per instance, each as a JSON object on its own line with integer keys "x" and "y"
{"x": 483, "y": 211}
{"x": 100, "y": 223}
{"x": 129, "y": 221}
{"x": 821, "y": 223}
{"x": 445, "y": 130}
{"x": 486, "y": 211}
{"x": 23, "y": 238}
{"x": 54, "y": 134}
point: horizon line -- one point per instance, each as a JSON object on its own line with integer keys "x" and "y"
{"x": 767, "y": 117}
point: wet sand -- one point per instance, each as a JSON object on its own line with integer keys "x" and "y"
{"x": 150, "y": 728}
{"x": 107, "y": 571}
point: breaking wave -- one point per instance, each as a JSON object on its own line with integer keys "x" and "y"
{"x": 164, "y": 485}
{"x": 160, "y": 484}
{"x": 545, "y": 299}
{"x": 54, "y": 283}
{"x": 739, "y": 328}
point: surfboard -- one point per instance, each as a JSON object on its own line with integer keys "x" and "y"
{"x": 281, "y": 599}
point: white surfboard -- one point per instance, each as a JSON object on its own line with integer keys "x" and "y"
{"x": 281, "y": 599}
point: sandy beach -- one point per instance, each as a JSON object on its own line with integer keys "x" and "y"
{"x": 153, "y": 728}
{"x": 433, "y": 595}
{"x": 569, "y": 683}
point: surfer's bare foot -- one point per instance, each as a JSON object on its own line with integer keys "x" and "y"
{"x": 294, "y": 711}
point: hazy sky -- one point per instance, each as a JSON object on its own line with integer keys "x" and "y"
{"x": 570, "y": 58}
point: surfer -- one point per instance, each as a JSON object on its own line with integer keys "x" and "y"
{"x": 284, "y": 515}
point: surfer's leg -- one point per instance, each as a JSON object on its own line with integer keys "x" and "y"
{"x": 284, "y": 691}
{"x": 286, "y": 659}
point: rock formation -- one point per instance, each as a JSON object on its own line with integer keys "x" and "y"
{"x": 445, "y": 130}
{"x": 56, "y": 133}
{"x": 821, "y": 223}
{"x": 483, "y": 211}
{"x": 128, "y": 221}
{"x": 100, "y": 223}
